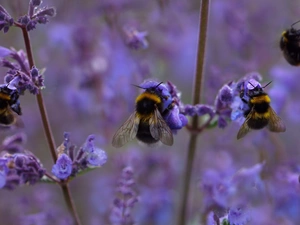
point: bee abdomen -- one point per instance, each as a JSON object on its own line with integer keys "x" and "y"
{"x": 257, "y": 123}
{"x": 144, "y": 134}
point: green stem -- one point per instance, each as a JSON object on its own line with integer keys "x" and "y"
{"x": 204, "y": 10}
{"x": 48, "y": 132}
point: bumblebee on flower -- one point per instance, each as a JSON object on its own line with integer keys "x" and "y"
{"x": 254, "y": 105}
{"x": 155, "y": 117}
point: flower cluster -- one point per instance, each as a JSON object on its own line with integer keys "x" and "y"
{"x": 19, "y": 75}
{"x": 36, "y": 15}
{"x": 70, "y": 162}
{"x": 228, "y": 105}
{"x": 17, "y": 165}
{"x": 127, "y": 197}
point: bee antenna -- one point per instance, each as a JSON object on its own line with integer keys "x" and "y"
{"x": 158, "y": 84}
{"x": 251, "y": 84}
{"x": 138, "y": 86}
{"x": 146, "y": 88}
{"x": 269, "y": 82}
{"x": 295, "y": 23}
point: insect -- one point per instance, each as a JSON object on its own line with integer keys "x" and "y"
{"x": 9, "y": 103}
{"x": 260, "y": 114}
{"x": 290, "y": 45}
{"x": 147, "y": 123}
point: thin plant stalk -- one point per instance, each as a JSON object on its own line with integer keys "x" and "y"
{"x": 198, "y": 80}
{"x": 48, "y": 132}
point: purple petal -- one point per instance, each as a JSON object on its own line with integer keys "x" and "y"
{"x": 4, "y": 52}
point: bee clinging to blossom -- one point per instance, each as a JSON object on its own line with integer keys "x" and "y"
{"x": 259, "y": 113}
{"x": 147, "y": 123}
{"x": 290, "y": 45}
{"x": 9, "y": 105}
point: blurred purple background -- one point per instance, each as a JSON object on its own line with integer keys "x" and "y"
{"x": 91, "y": 60}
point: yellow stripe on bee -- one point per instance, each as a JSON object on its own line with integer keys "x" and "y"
{"x": 260, "y": 99}
{"x": 257, "y": 115}
{"x": 4, "y": 96}
{"x": 284, "y": 37}
{"x": 150, "y": 96}
{"x": 144, "y": 117}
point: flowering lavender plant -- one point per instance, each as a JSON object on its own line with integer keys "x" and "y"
{"x": 79, "y": 64}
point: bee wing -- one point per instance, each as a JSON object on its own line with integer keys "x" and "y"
{"x": 159, "y": 129}
{"x": 127, "y": 131}
{"x": 275, "y": 123}
{"x": 245, "y": 128}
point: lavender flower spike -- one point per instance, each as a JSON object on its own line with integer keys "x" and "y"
{"x": 122, "y": 205}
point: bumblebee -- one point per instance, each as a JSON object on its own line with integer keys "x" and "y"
{"x": 260, "y": 114}
{"x": 290, "y": 45}
{"x": 9, "y": 105}
{"x": 147, "y": 123}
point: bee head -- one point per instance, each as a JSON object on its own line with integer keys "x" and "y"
{"x": 149, "y": 89}
{"x": 257, "y": 90}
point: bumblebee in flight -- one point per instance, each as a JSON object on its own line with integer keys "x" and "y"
{"x": 260, "y": 114}
{"x": 290, "y": 45}
{"x": 9, "y": 103}
{"x": 147, "y": 123}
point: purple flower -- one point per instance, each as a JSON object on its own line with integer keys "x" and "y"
{"x": 96, "y": 158}
{"x": 35, "y": 3}
{"x": 4, "y": 52}
{"x": 63, "y": 167}
{"x": 19, "y": 75}
{"x": 89, "y": 145}
{"x": 176, "y": 120}
{"x": 17, "y": 165}
{"x": 204, "y": 109}
{"x": 72, "y": 161}
{"x": 239, "y": 215}
{"x": 134, "y": 38}
{"x": 225, "y": 95}
{"x": 190, "y": 110}
{"x": 23, "y": 168}
{"x": 6, "y": 21}
{"x": 36, "y": 15}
